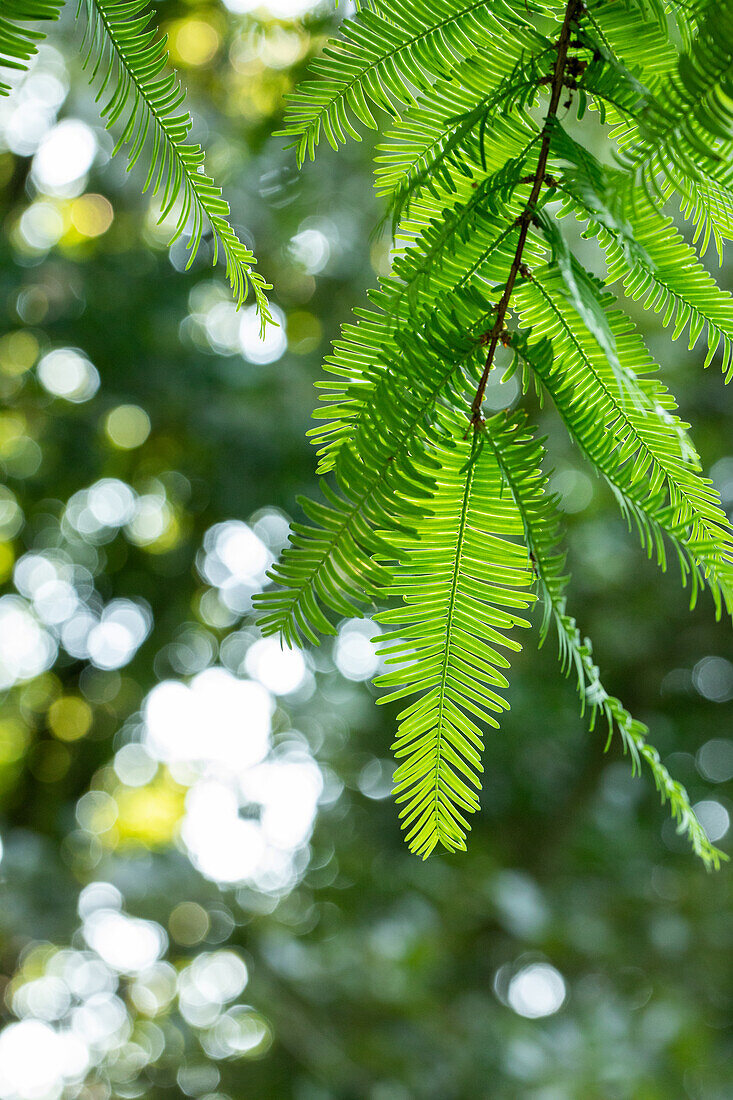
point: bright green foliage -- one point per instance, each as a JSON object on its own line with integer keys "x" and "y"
{"x": 128, "y": 59}
{"x": 436, "y": 507}
{"x": 683, "y": 139}
{"x": 386, "y": 459}
{"x": 390, "y": 53}
{"x": 631, "y": 435}
{"x": 462, "y": 580}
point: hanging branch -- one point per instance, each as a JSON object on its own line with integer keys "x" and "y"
{"x": 525, "y": 220}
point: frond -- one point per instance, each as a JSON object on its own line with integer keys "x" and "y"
{"x": 427, "y": 133}
{"x": 387, "y": 385}
{"x": 675, "y": 284}
{"x": 465, "y": 244}
{"x": 706, "y": 201}
{"x": 631, "y": 436}
{"x": 418, "y": 506}
{"x": 696, "y": 98}
{"x": 520, "y": 457}
{"x": 462, "y": 582}
{"x": 330, "y": 566}
{"x": 448, "y": 277}
{"x": 614, "y": 88}
{"x": 19, "y": 44}
{"x": 640, "y": 48}
{"x": 457, "y": 135}
{"x": 649, "y": 256}
{"x": 124, "y": 51}
{"x": 386, "y": 56}
{"x": 638, "y": 38}
{"x": 381, "y": 474}
{"x": 583, "y": 291}
{"x": 682, "y": 139}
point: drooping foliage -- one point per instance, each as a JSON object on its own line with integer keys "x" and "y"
{"x": 144, "y": 102}
{"x": 431, "y": 509}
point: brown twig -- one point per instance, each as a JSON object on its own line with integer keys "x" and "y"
{"x": 524, "y": 221}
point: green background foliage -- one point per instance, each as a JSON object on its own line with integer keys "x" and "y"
{"x": 370, "y": 974}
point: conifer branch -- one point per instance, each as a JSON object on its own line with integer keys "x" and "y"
{"x": 572, "y": 11}
{"x": 421, "y": 514}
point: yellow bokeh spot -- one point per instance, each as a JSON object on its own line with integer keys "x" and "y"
{"x": 91, "y": 215}
{"x": 7, "y": 560}
{"x": 12, "y": 429}
{"x": 304, "y": 332}
{"x": 70, "y": 718}
{"x": 127, "y": 427}
{"x": 193, "y": 42}
{"x": 14, "y": 740}
{"x": 149, "y": 815}
{"x": 35, "y": 960}
{"x": 18, "y": 352}
{"x": 169, "y": 539}
{"x": 155, "y": 527}
{"x": 259, "y": 94}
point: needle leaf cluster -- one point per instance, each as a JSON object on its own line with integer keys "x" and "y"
{"x": 433, "y": 510}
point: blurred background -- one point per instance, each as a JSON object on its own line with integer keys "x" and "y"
{"x": 204, "y": 891}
